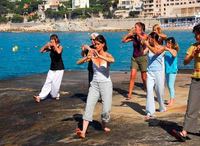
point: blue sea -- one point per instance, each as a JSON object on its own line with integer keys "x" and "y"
{"x": 28, "y": 60}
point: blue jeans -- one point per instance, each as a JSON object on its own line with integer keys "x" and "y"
{"x": 155, "y": 80}
{"x": 170, "y": 80}
{"x": 97, "y": 90}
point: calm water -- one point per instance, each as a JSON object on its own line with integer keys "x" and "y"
{"x": 28, "y": 60}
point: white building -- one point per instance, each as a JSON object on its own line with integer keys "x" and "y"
{"x": 80, "y": 4}
{"x": 126, "y": 6}
{"x": 170, "y": 8}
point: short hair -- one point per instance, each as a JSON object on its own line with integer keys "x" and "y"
{"x": 94, "y": 35}
{"x": 196, "y": 29}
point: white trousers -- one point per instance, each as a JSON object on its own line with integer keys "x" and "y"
{"x": 52, "y": 84}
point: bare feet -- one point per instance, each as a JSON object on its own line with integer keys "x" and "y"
{"x": 128, "y": 97}
{"x": 79, "y": 133}
{"x": 106, "y": 129}
{"x": 170, "y": 102}
{"x": 37, "y": 98}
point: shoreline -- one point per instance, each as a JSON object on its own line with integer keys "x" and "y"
{"x": 180, "y": 71}
{"x": 88, "y": 25}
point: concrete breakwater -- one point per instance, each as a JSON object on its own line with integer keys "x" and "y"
{"x": 78, "y": 25}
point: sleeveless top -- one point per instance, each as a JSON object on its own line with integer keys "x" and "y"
{"x": 56, "y": 60}
{"x": 155, "y": 62}
{"x": 170, "y": 63}
{"x": 138, "y": 47}
{"x": 101, "y": 74}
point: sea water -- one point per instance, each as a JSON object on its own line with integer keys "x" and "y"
{"x": 27, "y": 60}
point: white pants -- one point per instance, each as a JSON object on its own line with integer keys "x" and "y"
{"x": 52, "y": 84}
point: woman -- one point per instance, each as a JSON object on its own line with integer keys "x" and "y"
{"x": 55, "y": 74}
{"x": 85, "y": 52}
{"x": 138, "y": 60}
{"x": 155, "y": 76}
{"x": 171, "y": 67}
{"x": 191, "y": 121}
{"x": 101, "y": 84}
{"x": 158, "y": 30}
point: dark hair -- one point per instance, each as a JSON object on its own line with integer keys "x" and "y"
{"x": 170, "y": 39}
{"x": 174, "y": 44}
{"x": 55, "y": 37}
{"x": 155, "y": 36}
{"x": 101, "y": 39}
{"x": 142, "y": 25}
{"x": 196, "y": 29}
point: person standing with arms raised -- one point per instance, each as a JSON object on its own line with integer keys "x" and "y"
{"x": 55, "y": 74}
{"x": 101, "y": 85}
{"x": 138, "y": 60}
{"x": 193, "y": 104}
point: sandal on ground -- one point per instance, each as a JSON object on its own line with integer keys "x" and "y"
{"x": 36, "y": 98}
{"x": 179, "y": 137}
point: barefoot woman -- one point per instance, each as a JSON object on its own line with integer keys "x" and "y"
{"x": 138, "y": 60}
{"x": 101, "y": 85}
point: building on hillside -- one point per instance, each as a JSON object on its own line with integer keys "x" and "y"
{"x": 126, "y": 6}
{"x": 80, "y": 4}
{"x": 170, "y": 8}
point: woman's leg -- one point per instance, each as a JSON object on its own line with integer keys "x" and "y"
{"x": 159, "y": 89}
{"x": 106, "y": 90}
{"x": 92, "y": 99}
{"x": 46, "y": 89}
{"x": 56, "y": 84}
{"x": 144, "y": 80}
{"x": 132, "y": 82}
{"x": 170, "y": 78}
{"x": 150, "y": 103}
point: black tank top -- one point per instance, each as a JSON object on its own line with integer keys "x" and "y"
{"x": 56, "y": 60}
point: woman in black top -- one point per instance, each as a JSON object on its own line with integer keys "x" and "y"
{"x": 55, "y": 74}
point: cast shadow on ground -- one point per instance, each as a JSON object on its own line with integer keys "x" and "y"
{"x": 78, "y": 118}
{"x": 135, "y": 106}
{"x": 168, "y": 126}
{"x": 81, "y": 96}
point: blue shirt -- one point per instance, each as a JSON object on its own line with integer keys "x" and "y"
{"x": 155, "y": 62}
{"x": 170, "y": 63}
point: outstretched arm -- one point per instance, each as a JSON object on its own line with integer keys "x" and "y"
{"x": 45, "y": 48}
{"x": 128, "y": 37}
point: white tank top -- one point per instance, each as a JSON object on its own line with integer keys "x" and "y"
{"x": 101, "y": 74}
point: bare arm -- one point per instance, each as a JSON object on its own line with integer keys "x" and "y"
{"x": 108, "y": 57}
{"x": 172, "y": 51}
{"x": 58, "y": 49}
{"x": 156, "y": 49}
{"x": 45, "y": 48}
{"x": 128, "y": 37}
{"x": 163, "y": 36}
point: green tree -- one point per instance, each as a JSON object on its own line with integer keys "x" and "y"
{"x": 17, "y": 19}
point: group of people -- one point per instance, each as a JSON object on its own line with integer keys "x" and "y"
{"x": 154, "y": 54}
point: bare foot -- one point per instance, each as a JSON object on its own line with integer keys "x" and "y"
{"x": 79, "y": 133}
{"x": 128, "y": 97}
{"x": 170, "y": 102}
{"x": 106, "y": 129}
{"x": 37, "y": 98}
